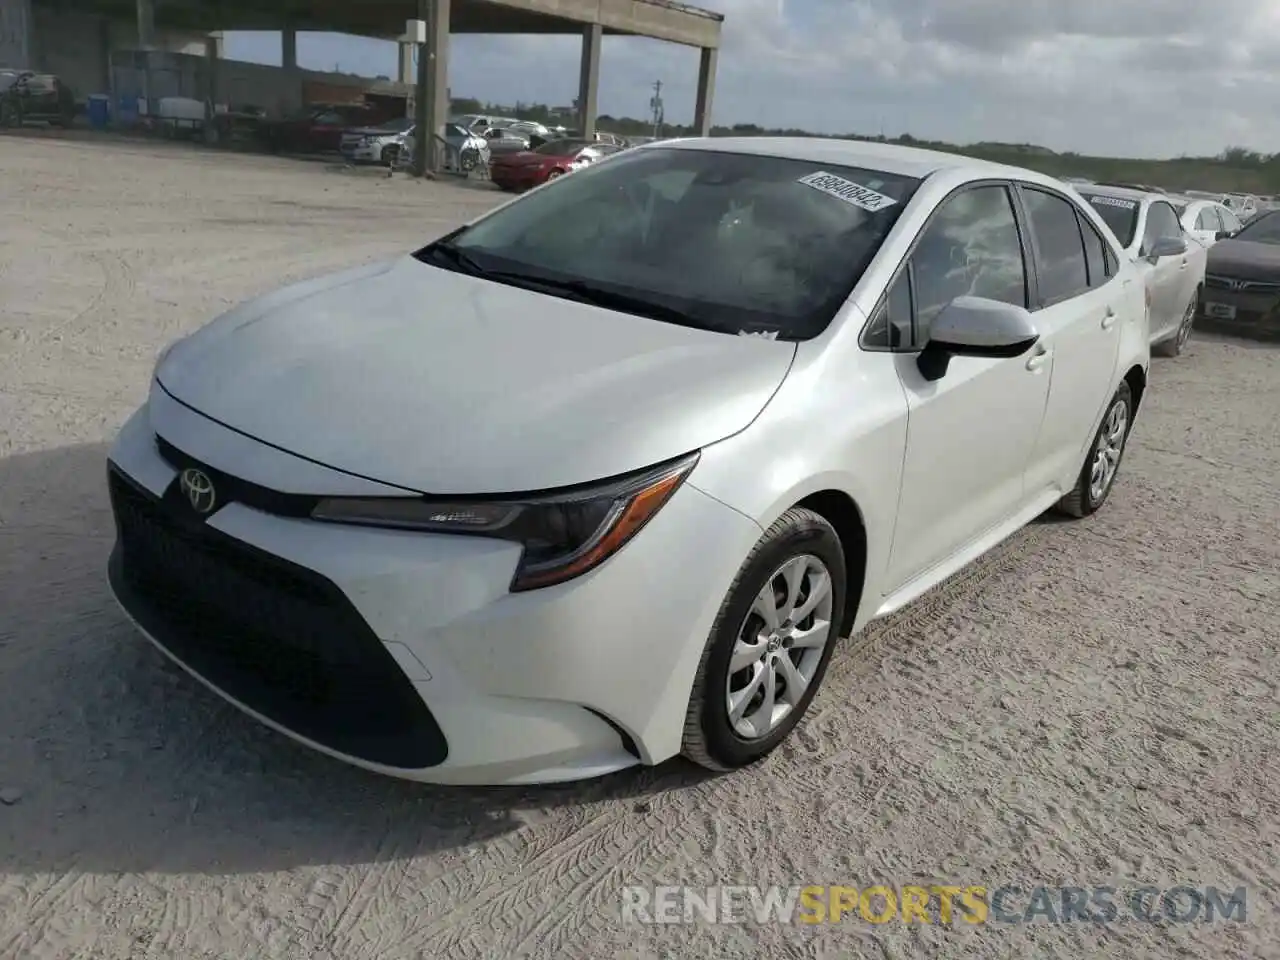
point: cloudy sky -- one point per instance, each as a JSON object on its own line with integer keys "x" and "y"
{"x": 1126, "y": 78}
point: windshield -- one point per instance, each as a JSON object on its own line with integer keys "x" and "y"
{"x": 1118, "y": 213}
{"x": 1265, "y": 229}
{"x": 720, "y": 241}
{"x": 561, "y": 148}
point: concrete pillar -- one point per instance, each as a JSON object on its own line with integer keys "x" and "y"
{"x": 589, "y": 79}
{"x": 289, "y": 48}
{"x": 432, "y": 94}
{"x": 17, "y": 43}
{"x": 406, "y": 70}
{"x": 215, "y": 45}
{"x": 706, "y": 92}
{"x": 146, "y": 24}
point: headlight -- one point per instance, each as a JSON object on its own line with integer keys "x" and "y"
{"x": 564, "y": 534}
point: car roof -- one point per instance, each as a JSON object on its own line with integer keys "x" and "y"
{"x": 884, "y": 157}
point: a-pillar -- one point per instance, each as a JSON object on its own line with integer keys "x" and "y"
{"x": 589, "y": 79}
{"x": 146, "y": 24}
{"x": 706, "y": 92}
{"x": 432, "y": 93}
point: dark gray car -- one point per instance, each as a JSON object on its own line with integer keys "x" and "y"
{"x": 1242, "y": 280}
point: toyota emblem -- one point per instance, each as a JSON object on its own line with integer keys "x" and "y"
{"x": 199, "y": 491}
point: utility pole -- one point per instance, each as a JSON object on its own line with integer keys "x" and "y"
{"x": 655, "y": 104}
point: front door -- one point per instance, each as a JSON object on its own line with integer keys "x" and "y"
{"x": 969, "y": 434}
{"x": 1170, "y": 289}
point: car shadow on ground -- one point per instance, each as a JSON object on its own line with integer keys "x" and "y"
{"x": 116, "y": 761}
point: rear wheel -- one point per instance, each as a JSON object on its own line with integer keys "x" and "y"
{"x": 1098, "y": 475}
{"x": 555, "y": 174}
{"x": 770, "y": 645}
{"x": 1174, "y": 345}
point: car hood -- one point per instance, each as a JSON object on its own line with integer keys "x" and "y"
{"x": 444, "y": 383}
{"x": 1245, "y": 260}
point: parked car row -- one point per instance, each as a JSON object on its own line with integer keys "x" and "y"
{"x": 1205, "y": 257}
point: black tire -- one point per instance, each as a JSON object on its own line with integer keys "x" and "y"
{"x": 390, "y": 155}
{"x": 1173, "y": 347}
{"x": 709, "y": 739}
{"x": 468, "y": 160}
{"x": 1081, "y": 502}
{"x": 555, "y": 175}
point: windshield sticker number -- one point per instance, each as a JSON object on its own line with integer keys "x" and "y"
{"x": 1114, "y": 202}
{"x": 848, "y": 191}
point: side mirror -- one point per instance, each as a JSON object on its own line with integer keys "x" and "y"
{"x": 976, "y": 327}
{"x": 1223, "y": 235}
{"x": 1168, "y": 247}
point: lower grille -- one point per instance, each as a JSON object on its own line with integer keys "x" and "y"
{"x": 277, "y": 637}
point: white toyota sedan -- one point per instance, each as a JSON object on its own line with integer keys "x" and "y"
{"x": 1171, "y": 260}
{"x": 604, "y": 476}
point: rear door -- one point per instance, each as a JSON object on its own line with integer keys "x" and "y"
{"x": 1078, "y": 302}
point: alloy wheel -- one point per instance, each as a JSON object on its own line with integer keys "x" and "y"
{"x": 779, "y": 647}
{"x": 1110, "y": 447}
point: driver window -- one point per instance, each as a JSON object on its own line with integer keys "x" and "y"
{"x": 970, "y": 247}
{"x": 1162, "y": 222}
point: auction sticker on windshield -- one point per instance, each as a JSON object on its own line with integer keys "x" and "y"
{"x": 1113, "y": 202}
{"x": 847, "y": 190}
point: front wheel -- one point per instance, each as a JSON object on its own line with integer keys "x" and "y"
{"x": 1098, "y": 475}
{"x": 391, "y": 154}
{"x": 770, "y": 645}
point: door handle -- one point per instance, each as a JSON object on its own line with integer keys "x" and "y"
{"x": 1038, "y": 359}
{"x": 1109, "y": 320}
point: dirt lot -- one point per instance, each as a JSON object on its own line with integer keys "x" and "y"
{"x": 1095, "y": 704}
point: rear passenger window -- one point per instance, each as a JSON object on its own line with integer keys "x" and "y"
{"x": 1208, "y": 220}
{"x": 1094, "y": 253}
{"x": 1063, "y": 269}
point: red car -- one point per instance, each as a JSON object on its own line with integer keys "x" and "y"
{"x": 532, "y": 168}
{"x": 318, "y": 128}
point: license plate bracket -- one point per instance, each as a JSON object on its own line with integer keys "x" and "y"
{"x": 1220, "y": 311}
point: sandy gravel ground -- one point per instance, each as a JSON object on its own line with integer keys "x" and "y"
{"x": 1096, "y": 703}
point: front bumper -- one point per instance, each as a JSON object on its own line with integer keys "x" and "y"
{"x": 1252, "y": 310}
{"x": 361, "y": 153}
{"x": 405, "y": 653}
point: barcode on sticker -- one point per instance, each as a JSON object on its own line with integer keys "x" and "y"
{"x": 1113, "y": 202}
{"x": 847, "y": 190}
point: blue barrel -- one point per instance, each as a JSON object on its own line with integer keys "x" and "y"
{"x": 98, "y": 108}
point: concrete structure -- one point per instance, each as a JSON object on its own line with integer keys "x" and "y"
{"x": 173, "y": 24}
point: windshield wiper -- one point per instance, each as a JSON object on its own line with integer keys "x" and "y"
{"x": 578, "y": 290}
{"x": 455, "y": 257}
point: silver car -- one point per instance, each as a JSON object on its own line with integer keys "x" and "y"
{"x": 392, "y": 144}
{"x": 1172, "y": 261}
